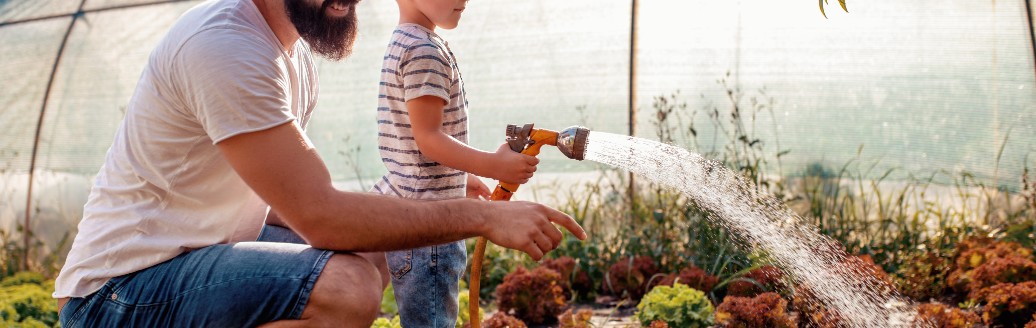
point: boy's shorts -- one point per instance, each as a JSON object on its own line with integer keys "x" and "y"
{"x": 227, "y": 285}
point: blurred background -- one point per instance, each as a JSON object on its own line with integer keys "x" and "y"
{"x": 938, "y": 89}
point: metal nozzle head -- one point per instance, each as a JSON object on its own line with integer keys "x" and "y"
{"x": 572, "y": 142}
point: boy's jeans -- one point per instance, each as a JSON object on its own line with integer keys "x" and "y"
{"x": 425, "y": 281}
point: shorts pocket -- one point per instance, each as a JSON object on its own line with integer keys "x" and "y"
{"x": 400, "y": 262}
{"x": 73, "y": 310}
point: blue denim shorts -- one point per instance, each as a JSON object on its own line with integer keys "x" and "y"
{"x": 226, "y": 285}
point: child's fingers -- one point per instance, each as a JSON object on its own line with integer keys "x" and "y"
{"x": 531, "y": 160}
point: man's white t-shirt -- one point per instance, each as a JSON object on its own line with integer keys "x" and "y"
{"x": 164, "y": 187}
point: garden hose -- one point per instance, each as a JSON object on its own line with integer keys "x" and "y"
{"x": 526, "y": 140}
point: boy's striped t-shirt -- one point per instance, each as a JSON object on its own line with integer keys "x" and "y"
{"x": 418, "y": 63}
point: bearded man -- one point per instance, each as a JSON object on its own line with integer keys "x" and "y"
{"x": 213, "y": 209}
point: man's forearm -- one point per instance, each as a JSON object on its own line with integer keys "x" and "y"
{"x": 283, "y": 168}
{"x": 366, "y": 222}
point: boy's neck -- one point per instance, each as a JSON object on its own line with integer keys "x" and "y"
{"x": 409, "y": 15}
{"x": 426, "y": 27}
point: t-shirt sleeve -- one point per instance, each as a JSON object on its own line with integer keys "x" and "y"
{"x": 232, "y": 83}
{"x": 426, "y": 72}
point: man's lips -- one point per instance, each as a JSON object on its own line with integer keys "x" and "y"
{"x": 339, "y": 8}
{"x": 340, "y": 5}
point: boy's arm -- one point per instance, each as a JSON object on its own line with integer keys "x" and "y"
{"x": 284, "y": 169}
{"x": 426, "y": 122}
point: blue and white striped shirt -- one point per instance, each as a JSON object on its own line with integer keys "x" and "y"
{"x": 418, "y": 63}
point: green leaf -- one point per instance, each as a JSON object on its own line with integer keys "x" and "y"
{"x": 842, "y": 2}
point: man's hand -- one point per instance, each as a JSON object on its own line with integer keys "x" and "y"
{"x": 529, "y": 227}
{"x": 283, "y": 168}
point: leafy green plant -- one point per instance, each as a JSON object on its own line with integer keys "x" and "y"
{"x": 25, "y": 301}
{"x": 575, "y": 281}
{"x": 937, "y": 314}
{"x": 813, "y": 313}
{"x": 629, "y": 276}
{"x": 693, "y": 277}
{"x": 756, "y": 281}
{"x": 24, "y": 277}
{"x": 1008, "y": 303}
{"x": 922, "y": 276}
{"x": 763, "y": 310}
{"x": 503, "y": 320}
{"x": 464, "y": 316}
{"x": 387, "y": 323}
{"x": 575, "y": 319}
{"x": 677, "y": 306}
{"x": 982, "y": 262}
{"x": 534, "y": 296}
{"x": 388, "y": 302}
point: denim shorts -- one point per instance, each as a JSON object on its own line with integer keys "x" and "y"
{"x": 227, "y": 285}
{"x": 425, "y": 282}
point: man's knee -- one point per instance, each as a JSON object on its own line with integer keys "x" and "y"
{"x": 378, "y": 260}
{"x": 348, "y": 290}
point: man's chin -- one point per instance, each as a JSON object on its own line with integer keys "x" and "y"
{"x": 330, "y": 52}
{"x": 335, "y": 57}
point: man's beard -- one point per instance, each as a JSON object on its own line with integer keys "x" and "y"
{"x": 329, "y": 37}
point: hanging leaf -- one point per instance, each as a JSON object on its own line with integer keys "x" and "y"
{"x": 825, "y": 2}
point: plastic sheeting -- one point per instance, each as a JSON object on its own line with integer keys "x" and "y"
{"x": 919, "y": 86}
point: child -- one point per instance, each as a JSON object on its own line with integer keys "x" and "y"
{"x": 422, "y": 138}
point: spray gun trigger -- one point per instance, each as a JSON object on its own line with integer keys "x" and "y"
{"x": 519, "y": 138}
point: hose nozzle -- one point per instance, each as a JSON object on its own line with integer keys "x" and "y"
{"x": 571, "y": 141}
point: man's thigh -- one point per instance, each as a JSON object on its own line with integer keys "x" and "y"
{"x": 230, "y": 285}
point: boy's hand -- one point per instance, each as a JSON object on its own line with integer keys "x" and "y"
{"x": 512, "y": 167}
{"x": 476, "y": 189}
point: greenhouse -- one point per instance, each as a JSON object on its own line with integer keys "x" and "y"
{"x": 902, "y": 132}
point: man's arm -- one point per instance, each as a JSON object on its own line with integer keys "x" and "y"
{"x": 285, "y": 170}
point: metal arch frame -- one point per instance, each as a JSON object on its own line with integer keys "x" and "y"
{"x": 80, "y": 11}
{"x": 1032, "y": 35}
{"x": 26, "y": 229}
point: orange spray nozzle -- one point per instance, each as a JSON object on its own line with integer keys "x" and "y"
{"x": 528, "y": 140}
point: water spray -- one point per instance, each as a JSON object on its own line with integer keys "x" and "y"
{"x": 526, "y": 140}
